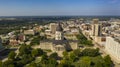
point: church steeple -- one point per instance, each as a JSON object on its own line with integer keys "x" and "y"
{"x": 59, "y": 32}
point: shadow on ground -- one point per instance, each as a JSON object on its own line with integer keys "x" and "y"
{"x": 4, "y": 53}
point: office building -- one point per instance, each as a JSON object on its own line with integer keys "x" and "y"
{"x": 53, "y": 27}
{"x": 96, "y": 28}
{"x": 112, "y": 47}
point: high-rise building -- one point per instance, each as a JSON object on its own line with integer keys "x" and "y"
{"x": 53, "y": 28}
{"x": 59, "y": 32}
{"x": 96, "y": 28}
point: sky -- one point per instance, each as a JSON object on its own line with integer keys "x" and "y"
{"x": 59, "y": 7}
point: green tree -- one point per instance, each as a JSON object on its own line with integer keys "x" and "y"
{"x": 65, "y": 63}
{"x": 72, "y": 56}
{"x": 83, "y": 40}
{"x": 98, "y": 64}
{"x": 36, "y": 40}
{"x": 85, "y": 62}
{"x": 90, "y": 52}
{"x": 1, "y": 63}
{"x": 35, "y": 52}
{"x": 8, "y": 63}
{"x": 24, "y": 49}
{"x": 11, "y": 65}
{"x": 25, "y": 59}
{"x": 65, "y": 54}
{"x": 52, "y": 62}
{"x": 53, "y": 55}
{"x": 33, "y": 64}
{"x": 108, "y": 61}
{"x": 44, "y": 59}
{"x": 98, "y": 61}
{"x": 77, "y": 52}
{"x": 40, "y": 51}
{"x": 12, "y": 55}
{"x": 89, "y": 43}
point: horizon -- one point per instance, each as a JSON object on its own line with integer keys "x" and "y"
{"x": 60, "y": 8}
{"x": 64, "y": 16}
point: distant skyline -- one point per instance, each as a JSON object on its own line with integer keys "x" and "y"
{"x": 59, "y": 7}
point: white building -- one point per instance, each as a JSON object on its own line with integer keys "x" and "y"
{"x": 113, "y": 48}
{"x": 29, "y": 32}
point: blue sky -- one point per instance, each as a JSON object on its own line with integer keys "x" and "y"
{"x": 59, "y": 7}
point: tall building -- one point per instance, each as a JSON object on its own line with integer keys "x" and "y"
{"x": 112, "y": 47}
{"x": 96, "y": 28}
{"x": 59, "y": 33}
{"x": 53, "y": 28}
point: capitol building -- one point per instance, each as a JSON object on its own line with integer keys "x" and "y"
{"x": 59, "y": 43}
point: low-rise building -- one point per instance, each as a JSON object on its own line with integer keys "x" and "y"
{"x": 29, "y": 32}
{"x": 13, "y": 42}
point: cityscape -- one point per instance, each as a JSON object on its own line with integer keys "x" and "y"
{"x": 66, "y": 33}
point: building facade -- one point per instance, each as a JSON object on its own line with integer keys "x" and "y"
{"x": 96, "y": 32}
{"x": 113, "y": 48}
{"x": 29, "y": 32}
{"x": 96, "y": 28}
{"x": 53, "y": 28}
{"x": 59, "y": 43}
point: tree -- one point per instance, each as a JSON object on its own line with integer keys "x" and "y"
{"x": 85, "y": 62}
{"x": 40, "y": 51}
{"x": 52, "y": 62}
{"x": 98, "y": 64}
{"x": 25, "y": 59}
{"x": 35, "y": 52}
{"x": 33, "y": 64}
{"x": 8, "y": 63}
{"x": 83, "y": 40}
{"x": 65, "y": 63}
{"x": 72, "y": 56}
{"x": 1, "y": 63}
{"x": 89, "y": 43}
{"x": 53, "y": 55}
{"x": 36, "y": 40}
{"x": 98, "y": 61}
{"x": 24, "y": 49}
{"x": 77, "y": 52}
{"x": 12, "y": 55}
{"x": 65, "y": 53}
{"x": 11, "y": 65}
{"x": 44, "y": 59}
{"x": 90, "y": 52}
{"x": 108, "y": 61}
